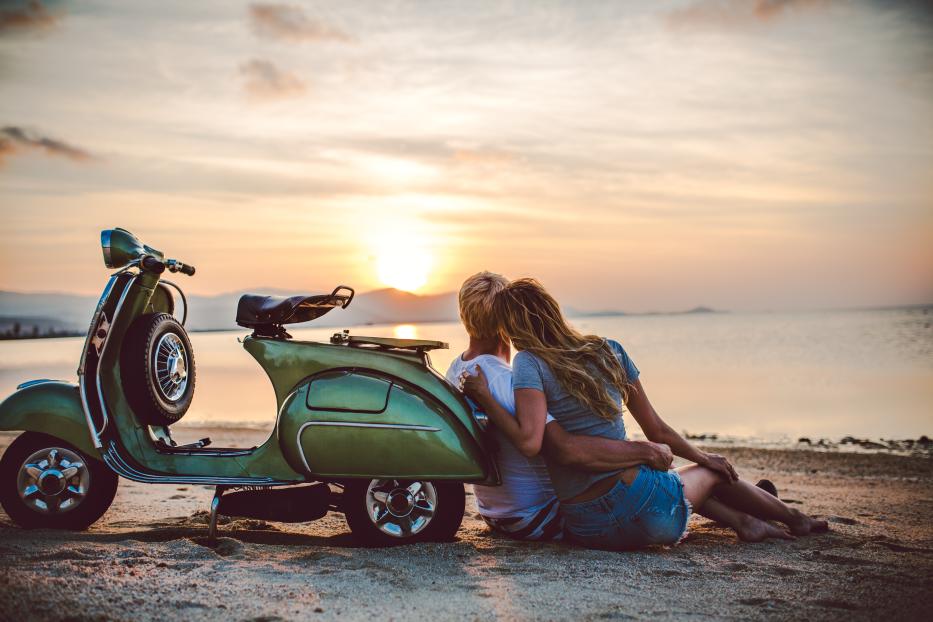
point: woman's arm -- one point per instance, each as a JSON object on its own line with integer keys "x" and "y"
{"x": 526, "y": 428}
{"x": 657, "y": 430}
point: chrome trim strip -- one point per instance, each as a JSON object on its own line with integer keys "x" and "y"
{"x": 350, "y": 424}
{"x": 103, "y": 351}
{"x": 95, "y": 320}
{"x": 390, "y": 426}
{"x": 95, "y": 437}
{"x": 105, "y": 237}
{"x": 32, "y": 383}
{"x": 116, "y": 462}
{"x": 204, "y": 453}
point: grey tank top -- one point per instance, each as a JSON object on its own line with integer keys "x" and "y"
{"x": 530, "y": 372}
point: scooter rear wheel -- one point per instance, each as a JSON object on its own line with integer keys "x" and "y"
{"x": 387, "y": 512}
{"x": 48, "y": 483}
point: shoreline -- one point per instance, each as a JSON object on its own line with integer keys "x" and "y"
{"x": 577, "y": 315}
{"x": 921, "y": 447}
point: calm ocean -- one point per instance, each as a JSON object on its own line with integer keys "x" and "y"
{"x": 767, "y": 376}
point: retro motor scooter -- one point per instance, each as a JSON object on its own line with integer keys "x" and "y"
{"x": 365, "y": 426}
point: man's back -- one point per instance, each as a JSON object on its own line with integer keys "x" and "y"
{"x": 526, "y": 492}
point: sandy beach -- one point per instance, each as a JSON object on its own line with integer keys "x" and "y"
{"x": 147, "y": 559}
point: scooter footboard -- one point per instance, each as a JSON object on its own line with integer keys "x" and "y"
{"x": 351, "y": 423}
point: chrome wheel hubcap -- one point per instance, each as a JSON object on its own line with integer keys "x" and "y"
{"x": 400, "y": 509}
{"x": 171, "y": 366}
{"x": 53, "y": 480}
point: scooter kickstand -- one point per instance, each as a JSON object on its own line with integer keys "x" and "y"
{"x": 215, "y": 504}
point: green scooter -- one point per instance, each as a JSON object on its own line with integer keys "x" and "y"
{"x": 364, "y": 426}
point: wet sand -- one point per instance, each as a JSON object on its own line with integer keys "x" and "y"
{"x": 147, "y": 560}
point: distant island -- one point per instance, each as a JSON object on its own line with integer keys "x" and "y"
{"x": 43, "y": 315}
{"x": 36, "y": 328}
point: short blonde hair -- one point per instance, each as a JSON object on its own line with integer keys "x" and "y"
{"x": 476, "y": 303}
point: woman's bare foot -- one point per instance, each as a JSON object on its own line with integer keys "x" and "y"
{"x": 803, "y": 525}
{"x": 756, "y": 530}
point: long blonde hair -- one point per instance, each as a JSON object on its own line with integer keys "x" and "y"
{"x": 585, "y": 365}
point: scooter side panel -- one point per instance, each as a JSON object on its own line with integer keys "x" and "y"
{"x": 288, "y": 363}
{"x": 395, "y": 431}
{"x": 53, "y": 408}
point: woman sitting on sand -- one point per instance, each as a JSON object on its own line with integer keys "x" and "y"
{"x": 582, "y": 381}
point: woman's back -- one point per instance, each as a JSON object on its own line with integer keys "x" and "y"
{"x": 531, "y": 372}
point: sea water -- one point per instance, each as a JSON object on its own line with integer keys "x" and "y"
{"x": 757, "y": 376}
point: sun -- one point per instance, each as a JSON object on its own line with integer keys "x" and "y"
{"x": 403, "y": 267}
{"x": 405, "y": 331}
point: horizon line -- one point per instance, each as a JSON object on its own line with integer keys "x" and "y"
{"x": 581, "y": 312}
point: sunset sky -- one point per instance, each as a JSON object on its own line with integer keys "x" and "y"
{"x": 636, "y": 155}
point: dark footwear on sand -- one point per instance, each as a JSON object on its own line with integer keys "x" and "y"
{"x": 768, "y": 486}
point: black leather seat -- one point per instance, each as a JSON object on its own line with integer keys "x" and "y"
{"x": 257, "y": 311}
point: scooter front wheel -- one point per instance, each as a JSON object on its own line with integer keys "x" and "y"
{"x": 386, "y": 512}
{"x": 48, "y": 483}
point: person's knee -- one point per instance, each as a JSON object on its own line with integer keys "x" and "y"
{"x": 716, "y": 477}
{"x": 700, "y": 477}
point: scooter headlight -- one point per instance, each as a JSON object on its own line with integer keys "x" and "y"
{"x": 120, "y": 247}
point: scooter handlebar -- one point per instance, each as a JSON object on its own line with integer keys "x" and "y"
{"x": 176, "y": 266}
{"x": 157, "y": 266}
{"x": 151, "y": 264}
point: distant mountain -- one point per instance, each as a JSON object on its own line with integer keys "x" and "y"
{"x": 574, "y": 312}
{"x": 63, "y": 311}
{"x": 383, "y": 306}
{"x": 386, "y": 306}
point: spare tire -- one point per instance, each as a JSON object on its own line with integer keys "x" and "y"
{"x": 157, "y": 366}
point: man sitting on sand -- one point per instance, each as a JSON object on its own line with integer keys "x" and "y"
{"x": 525, "y": 506}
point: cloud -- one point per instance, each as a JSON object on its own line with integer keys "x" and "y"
{"x": 289, "y": 23}
{"x": 28, "y": 15}
{"x": 738, "y": 12}
{"x": 16, "y": 139}
{"x": 483, "y": 157}
{"x": 265, "y": 81}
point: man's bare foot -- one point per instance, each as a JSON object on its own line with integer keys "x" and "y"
{"x": 756, "y": 530}
{"x": 803, "y": 525}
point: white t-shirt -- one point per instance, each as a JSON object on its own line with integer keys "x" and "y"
{"x": 526, "y": 485}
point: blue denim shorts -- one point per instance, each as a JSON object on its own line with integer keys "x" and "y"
{"x": 650, "y": 510}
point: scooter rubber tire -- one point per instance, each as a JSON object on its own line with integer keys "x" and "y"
{"x": 102, "y": 486}
{"x": 137, "y": 367}
{"x": 451, "y": 504}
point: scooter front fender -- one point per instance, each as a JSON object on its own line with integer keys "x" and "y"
{"x": 52, "y": 407}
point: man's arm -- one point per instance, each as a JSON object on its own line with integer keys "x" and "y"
{"x": 598, "y": 454}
